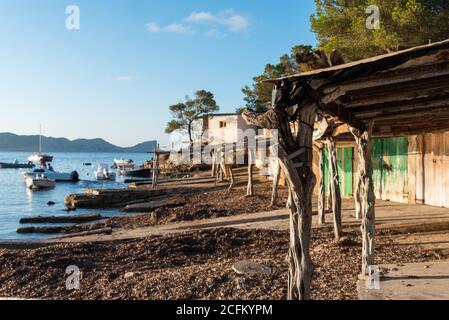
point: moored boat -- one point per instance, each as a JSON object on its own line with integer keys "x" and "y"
{"x": 139, "y": 173}
{"x": 123, "y": 164}
{"x": 39, "y": 181}
{"x": 40, "y": 157}
{"x": 54, "y": 175}
{"x": 16, "y": 165}
{"x": 103, "y": 174}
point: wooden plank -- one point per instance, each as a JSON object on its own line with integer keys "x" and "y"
{"x": 391, "y": 78}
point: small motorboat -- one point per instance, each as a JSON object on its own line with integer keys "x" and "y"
{"x": 139, "y": 173}
{"x": 16, "y": 165}
{"x": 54, "y": 175}
{"x": 123, "y": 164}
{"x": 103, "y": 174}
{"x": 39, "y": 181}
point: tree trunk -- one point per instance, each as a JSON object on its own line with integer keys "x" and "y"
{"x": 276, "y": 179}
{"x": 368, "y": 228}
{"x": 322, "y": 192}
{"x": 335, "y": 188}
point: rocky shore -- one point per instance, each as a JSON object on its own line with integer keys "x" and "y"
{"x": 196, "y": 265}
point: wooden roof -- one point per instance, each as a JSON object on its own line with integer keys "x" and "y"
{"x": 405, "y": 92}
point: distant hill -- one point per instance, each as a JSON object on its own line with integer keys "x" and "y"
{"x": 15, "y": 143}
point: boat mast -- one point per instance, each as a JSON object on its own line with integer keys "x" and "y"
{"x": 40, "y": 139}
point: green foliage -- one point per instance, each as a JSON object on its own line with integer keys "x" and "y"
{"x": 341, "y": 24}
{"x": 258, "y": 96}
{"x": 185, "y": 113}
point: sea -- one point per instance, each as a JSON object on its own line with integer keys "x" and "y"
{"x": 17, "y": 201}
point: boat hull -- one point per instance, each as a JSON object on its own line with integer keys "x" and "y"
{"x": 142, "y": 173}
{"x": 16, "y": 165}
{"x": 39, "y": 183}
{"x": 57, "y": 176}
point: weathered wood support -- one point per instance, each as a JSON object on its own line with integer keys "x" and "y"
{"x": 367, "y": 196}
{"x": 231, "y": 177}
{"x": 322, "y": 192}
{"x": 357, "y": 196}
{"x": 155, "y": 166}
{"x": 213, "y": 159}
{"x": 276, "y": 180}
{"x": 335, "y": 187}
{"x": 300, "y": 177}
{"x": 251, "y": 157}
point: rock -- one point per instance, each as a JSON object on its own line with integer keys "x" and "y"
{"x": 129, "y": 275}
{"x": 250, "y": 268}
{"x": 51, "y": 203}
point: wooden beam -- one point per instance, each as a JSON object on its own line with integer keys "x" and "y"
{"x": 390, "y": 78}
{"x": 340, "y": 112}
{"x": 396, "y": 94}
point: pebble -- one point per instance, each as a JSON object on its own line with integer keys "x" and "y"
{"x": 250, "y": 268}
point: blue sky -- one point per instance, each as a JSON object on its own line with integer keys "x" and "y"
{"x": 116, "y": 76}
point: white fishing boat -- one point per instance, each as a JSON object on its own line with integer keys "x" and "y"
{"x": 103, "y": 174}
{"x": 53, "y": 175}
{"x": 123, "y": 164}
{"x": 39, "y": 157}
{"x": 39, "y": 181}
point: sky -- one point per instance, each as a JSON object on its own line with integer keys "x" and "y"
{"x": 115, "y": 77}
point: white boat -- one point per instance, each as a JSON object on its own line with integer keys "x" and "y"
{"x": 53, "y": 175}
{"x": 39, "y": 181}
{"x": 123, "y": 164}
{"x": 39, "y": 157}
{"x": 103, "y": 174}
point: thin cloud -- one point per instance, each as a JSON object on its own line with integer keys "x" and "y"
{"x": 124, "y": 78}
{"x": 179, "y": 28}
{"x": 212, "y": 33}
{"x": 229, "y": 18}
{"x": 153, "y": 27}
{"x": 217, "y": 23}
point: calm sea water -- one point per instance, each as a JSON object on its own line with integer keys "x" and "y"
{"x": 17, "y": 201}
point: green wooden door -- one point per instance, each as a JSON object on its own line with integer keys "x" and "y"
{"x": 390, "y": 164}
{"x": 345, "y": 170}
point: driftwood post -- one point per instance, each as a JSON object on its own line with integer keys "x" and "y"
{"x": 357, "y": 195}
{"x": 366, "y": 195}
{"x": 295, "y": 154}
{"x": 335, "y": 187}
{"x": 213, "y": 159}
{"x": 322, "y": 192}
{"x": 155, "y": 167}
{"x": 251, "y": 157}
{"x": 276, "y": 179}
